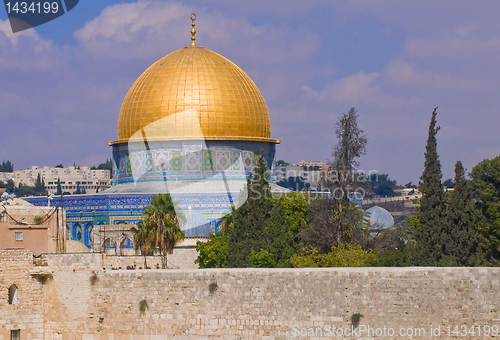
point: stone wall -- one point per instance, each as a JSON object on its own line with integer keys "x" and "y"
{"x": 83, "y": 301}
{"x": 174, "y": 261}
{"x": 27, "y": 315}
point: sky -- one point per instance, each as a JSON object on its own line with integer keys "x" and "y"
{"x": 62, "y": 83}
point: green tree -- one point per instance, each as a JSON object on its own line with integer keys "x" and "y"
{"x": 345, "y": 255}
{"x": 6, "y": 167}
{"x": 382, "y": 185}
{"x": 19, "y": 191}
{"x": 329, "y": 227}
{"x": 59, "y": 188}
{"x": 296, "y": 209}
{"x": 413, "y": 221}
{"x": 259, "y": 224}
{"x": 78, "y": 189}
{"x": 409, "y": 186}
{"x": 461, "y": 222}
{"x": 401, "y": 257}
{"x": 212, "y": 254}
{"x": 40, "y": 186}
{"x": 59, "y": 166}
{"x": 249, "y": 219}
{"x": 108, "y": 165}
{"x": 351, "y": 142}
{"x": 262, "y": 259}
{"x": 276, "y": 236}
{"x": 159, "y": 230}
{"x": 10, "y": 186}
{"x": 430, "y": 234}
{"x": 24, "y": 190}
{"x": 485, "y": 185}
{"x": 394, "y": 246}
{"x": 342, "y": 179}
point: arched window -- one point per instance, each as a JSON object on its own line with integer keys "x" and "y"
{"x": 87, "y": 239}
{"x": 77, "y": 232}
{"x": 12, "y": 295}
{"x": 110, "y": 243}
{"x": 127, "y": 244}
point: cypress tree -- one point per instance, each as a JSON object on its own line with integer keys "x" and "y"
{"x": 462, "y": 247}
{"x": 39, "y": 187}
{"x": 430, "y": 234}
{"x": 59, "y": 188}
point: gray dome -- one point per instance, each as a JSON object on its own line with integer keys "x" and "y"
{"x": 380, "y": 218}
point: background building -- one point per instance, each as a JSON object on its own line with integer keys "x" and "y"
{"x": 70, "y": 177}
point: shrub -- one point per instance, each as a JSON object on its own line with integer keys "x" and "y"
{"x": 262, "y": 259}
{"x": 345, "y": 255}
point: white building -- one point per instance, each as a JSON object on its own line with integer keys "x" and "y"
{"x": 70, "y": 178}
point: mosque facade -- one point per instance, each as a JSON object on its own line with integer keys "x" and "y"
{"x": 192, "y": 125}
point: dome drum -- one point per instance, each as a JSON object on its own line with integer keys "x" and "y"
{"x": 187, "y": 160}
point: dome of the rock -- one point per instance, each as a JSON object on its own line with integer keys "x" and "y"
{"x": 192, "y": 125}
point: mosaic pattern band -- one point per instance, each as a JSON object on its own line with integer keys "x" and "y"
{"x": 166, "y": 161}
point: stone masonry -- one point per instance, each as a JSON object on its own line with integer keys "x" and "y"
{"x": 80, "y": 300}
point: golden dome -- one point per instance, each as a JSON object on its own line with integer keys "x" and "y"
{"x": 194, "y": 93}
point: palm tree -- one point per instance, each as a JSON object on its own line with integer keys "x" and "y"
{"x": 159, "y": 230}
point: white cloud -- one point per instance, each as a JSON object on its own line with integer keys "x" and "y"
{"x": 122, "y": 21}
{"x": 362, "y": 89}
{"x": 405, "y": 74}
{"x": 27, "y": 50}
{"x": 152, "y": 28}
